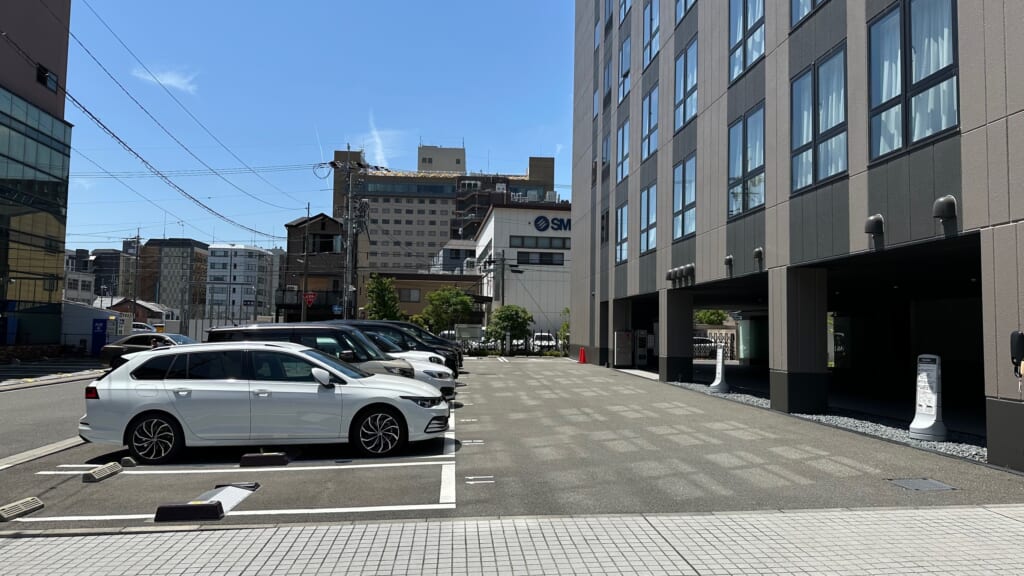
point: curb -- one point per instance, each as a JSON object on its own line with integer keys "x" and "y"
{"x": 23, "y": 383}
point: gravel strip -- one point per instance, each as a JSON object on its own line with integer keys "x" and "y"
{"x": 958, "y": 445}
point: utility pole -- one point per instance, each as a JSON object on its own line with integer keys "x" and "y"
{"x": 349, "y": 228}
{"x": 305, "y": 266}
{"x": 135, "y": 279}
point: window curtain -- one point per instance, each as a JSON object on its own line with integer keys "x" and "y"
{"x": 800, "y": 9}
{"x": 755, "y": 140}
{"x": 735, "y": 22}
{"x": 802, "y": 124}
{"x": 831, "y": 93}
{"x": 933, "y": 110}
{"x": 931, "y": 37}
{"x": 886, "y": 72}
{"x": 755, "y": 11}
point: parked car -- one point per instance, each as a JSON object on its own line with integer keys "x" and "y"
{"x": 139, "y": 327}
{"x": 342, "y": 342}
{"x": 428, "y": 370}
{"x": 428, "y": 337}
{"x": 254, "y": 393}
{"x": 112, "y": 353}
{"x": 703, "y": 347}
{"x": 542, "y": 342}
{"x": 405, "y": 339}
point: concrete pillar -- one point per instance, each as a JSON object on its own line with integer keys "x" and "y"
{"x": 675, "y": 336}
{"x": 798, "y": 351}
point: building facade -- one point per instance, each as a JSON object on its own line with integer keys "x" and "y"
{"x": 106, "y": 264}
{"x": 828, "y": 170}
{"x": 240, "y": 283}
{"x": 315, "y": 263}
{"x": 172, "y": 272}
{"x": 35, "y": 148}
{"x": 525, "y": 255}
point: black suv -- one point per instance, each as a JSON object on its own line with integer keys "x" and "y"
{"x": 408, "y": 339}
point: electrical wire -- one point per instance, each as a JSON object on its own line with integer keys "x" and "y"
{"x": 81, "y": 107}
{"x": 150, "y": 115}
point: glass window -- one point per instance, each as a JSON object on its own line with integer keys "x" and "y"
{"x": 746, "y": 162}
{"x": 925, "y": 104}
{"x": 606, "y": 149}
{"x": 597, "y": 103}
{"x": 799, "y": 9}
{"x": 624, "y": 58}
{"x": 682, "y": 7}
{"x": 652, "y": 27}
{"x": 746, "y": 35}
{"x": 819, "y": 122}
{"x": 154, "y": 369}
{"x": 686, "y": 85}
{"x": 621, "y": 233}
{"x": 624, "y": 6}
{"x": 226, "y": 365}
{"x": 607, "y": 77}
{"x": 622, "y": 165}
{"x": 648, "y": 218}
{"x": 684, "y": 198}
{"x": 281, "y": 367}
{"x": 649, "y": 124}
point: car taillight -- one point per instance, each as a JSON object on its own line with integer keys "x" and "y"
{"x": 91, "y": 393}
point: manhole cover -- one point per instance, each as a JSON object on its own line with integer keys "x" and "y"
{"x": 921, "y": 484}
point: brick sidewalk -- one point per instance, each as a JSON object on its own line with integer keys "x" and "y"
{"x": 961, "y": 541}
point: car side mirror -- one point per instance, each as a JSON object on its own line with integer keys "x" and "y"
{"x": 323, "y": 377}
{"x": 347, "y": 356}
{"x": 1016, "y": 351}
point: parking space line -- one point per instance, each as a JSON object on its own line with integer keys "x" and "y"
{"x": 35, "y": 453}
{"x": 447, "y": 484}
{"x": 76, "y": 465}
{"x": 249, "y": 469}
{"x": 292, "y": 512}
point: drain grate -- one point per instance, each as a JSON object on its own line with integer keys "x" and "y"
{"x": 921, "y": 484}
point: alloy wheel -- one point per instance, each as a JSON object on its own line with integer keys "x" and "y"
{"x": 153, "y": 439}
{"x": 380, "y": 433}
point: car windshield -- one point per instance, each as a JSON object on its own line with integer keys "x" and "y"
{"x": 368, "y": 349}
{"x": 345, "y": 368}
{"x": 181, "y": 339}
{"x": 383, "y": 342}
{"x": 423, "y": 335}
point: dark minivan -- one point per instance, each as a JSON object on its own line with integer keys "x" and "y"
{"x": 408, "y": 339}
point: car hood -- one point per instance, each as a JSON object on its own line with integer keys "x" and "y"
{"x": 424, "y": 365}
{"x": 398, "y": 384}
{"x": 414, "y": 355}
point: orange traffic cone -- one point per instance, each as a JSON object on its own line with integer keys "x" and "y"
{"x": 583, "y": 355}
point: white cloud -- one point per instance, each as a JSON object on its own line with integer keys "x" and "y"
{"x": 384, "y": 147}
{"x": 558, "y": 149}
{"x": 169, "y": 78}
{"x": 377, "y": 154}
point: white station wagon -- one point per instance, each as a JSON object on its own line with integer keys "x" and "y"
{"x": 254, "y": 394}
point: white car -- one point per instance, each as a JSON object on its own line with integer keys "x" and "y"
{"x": 427, "y": 366}
{"x": 543, "y": 341}
{"x": 254, "y": 394}
{"x": 142, "y": 327}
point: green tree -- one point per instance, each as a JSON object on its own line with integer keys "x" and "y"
{"x": 563, "y": 331}
{"x": 382, "y": 299}
{"x": 446, "y": 308}
{"x": 419, "y": 320}
{"x": 710, "y": 317}
{"x": 509, "y": 321}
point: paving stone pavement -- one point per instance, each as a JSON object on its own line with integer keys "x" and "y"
{"x": 951, "y": 540}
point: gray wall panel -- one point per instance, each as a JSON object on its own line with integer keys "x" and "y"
{"x": 840, "y": 218}
{"x": 948, "y": 176}
{"x": 878, "y": 185}
{"x": 741, "y": 237}
{"x": 648, "y": 273}
{"x": 809, "y": 222}
{"x": 897, "y": 219}
{"x": 650, "y": 75}
{"x": 824, "y": 221}
{"x": 649, "y": 172}
{"x": 621, "y": 276}
{"x": 684, "y": 252}
{"x": 816, "y": 35}
{"x": 606, "y": 278}
{"x": 746, "y": 92}
{"x": 922, "y": 193}
{"x": 684, "y": 142}
{"x": 686, "y": 30}
{"x": 796, "y": 231}
{"x": 874, "y": 7}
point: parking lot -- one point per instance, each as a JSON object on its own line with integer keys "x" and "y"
{"x": 530, "y": 436}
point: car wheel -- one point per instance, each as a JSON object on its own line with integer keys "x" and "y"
{"x": 379, "y": 432}
{"x": 155, "y": 438}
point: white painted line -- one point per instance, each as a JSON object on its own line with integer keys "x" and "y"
{"x": 474, "y": 442}
{"x": 147, "y": 472}
{"x": 35, "y": 453}
{"x": 479, "y": 481}
{"x": 90, "y": 466}
{"x": 479, "y": 477}
{"x": 468, "y": 420}
{"x": 447, "y": 484}
{"x": 297, "y": 511}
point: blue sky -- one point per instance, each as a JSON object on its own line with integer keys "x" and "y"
{"x": 268, "y": 78}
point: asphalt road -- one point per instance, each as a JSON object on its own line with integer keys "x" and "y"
{"x": 34, "y": 417}
{"x": 532, "y": 437}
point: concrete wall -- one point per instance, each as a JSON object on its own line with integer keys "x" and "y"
{"x": 31, "y": 25}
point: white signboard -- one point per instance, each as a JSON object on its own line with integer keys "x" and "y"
{"x": 927, "y": 424}
{"x": 926, "y": 393}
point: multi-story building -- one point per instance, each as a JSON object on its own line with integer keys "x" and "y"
{"x": 820, "y": 168}
{"x": 240, "y": 283}
{"x": 78, "y": 279}
{"x": 35, "y": 148}
{"x": 128, "y": 271}
{"x": 107, "y": 265}
{"x": 315, "y": 264}
{"x": 172, "y": 272}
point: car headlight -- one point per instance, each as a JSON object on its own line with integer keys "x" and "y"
{"x": 438, "y": 375}
{"x": 436, "y": 359}
{"x": 424, "y": 402}
{"x": 407, "y": 372}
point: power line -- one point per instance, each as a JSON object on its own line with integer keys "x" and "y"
{"x": 182, "y": 106}
{"x": 81, "y": 107}
{"x": 150, "y": 115}
{"x": 201, "y": 172}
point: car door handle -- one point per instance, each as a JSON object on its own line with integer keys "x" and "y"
{"x": 182, "y": 392}
{"x": 262, "y": 393}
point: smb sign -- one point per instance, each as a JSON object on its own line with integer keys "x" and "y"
{"x": 543, "y": 224}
